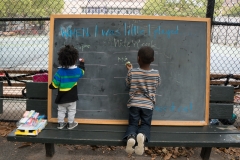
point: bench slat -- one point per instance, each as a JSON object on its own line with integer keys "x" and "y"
{"x": 220, "y": 111}
{"x": 217, "y": 82}
{"x": 38, "y": 105}
{"x": 19, "y": 71}
{"x": 157, "y": 129}
{"x": 221, "y": 93}
{"x": 41, "y": 88}
{"x": 15, "y": 84}
{"x": 207, "y": 136}
{"x": 224, "y": 76}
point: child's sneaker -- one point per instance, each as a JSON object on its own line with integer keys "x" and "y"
{"x": 130, "y": 143}
{"x": 61, "y": 125}
{"x": 72, "y": 125}
{"x": 139, "y": 149}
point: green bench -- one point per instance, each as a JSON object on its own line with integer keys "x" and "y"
{"x": 221, "y": 107}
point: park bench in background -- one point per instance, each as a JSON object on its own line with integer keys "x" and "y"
{"x": 14, "y": 81}
{"x": 226, "y": 79}
{"x": 221, "y": 107}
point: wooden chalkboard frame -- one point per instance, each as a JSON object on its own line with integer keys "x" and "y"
{"x": 203, "y": 122}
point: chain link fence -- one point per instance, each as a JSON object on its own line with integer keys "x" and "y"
{"x": 24, "y": 38}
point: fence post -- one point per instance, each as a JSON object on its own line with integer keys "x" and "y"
{"x": 210, "y": 12}
{"x": 210, "y": 9}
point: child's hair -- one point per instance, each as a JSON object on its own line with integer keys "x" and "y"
{"x": 146, "y": 54}
{"x": 67, "y": 56}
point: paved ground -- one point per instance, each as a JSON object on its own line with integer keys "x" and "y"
{"x": 23, "y": 151}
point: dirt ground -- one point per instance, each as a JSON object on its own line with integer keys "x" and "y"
{"x": 30, "y": 151}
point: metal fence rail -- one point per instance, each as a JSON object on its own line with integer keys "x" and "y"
{"x": 24, "y": 38}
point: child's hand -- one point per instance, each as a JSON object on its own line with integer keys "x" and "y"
{"x": 81, "y": 60}
{"x": 128, "y": 65}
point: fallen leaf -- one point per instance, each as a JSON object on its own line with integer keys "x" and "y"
{"x": 164, "y": 150}
{"x": 69, "y": 147}
{"x": 191, "y": 150}
{"x": 174, "y": 156}
{"x": 176, "y": 152}
{"x": 167, "y": 156}
{"x": 149, "y": 152}
{"x": 6, "y": 128}
{"x": 112, "y": 148}
{"x": 153, "y": 155}
{"x": 25, "y": 144}
{"x": 78, "y": 147}
{"x": 94, "y": 147}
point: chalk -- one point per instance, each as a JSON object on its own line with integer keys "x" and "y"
{"x": 128, "y": 63}
{"x": 80, "y": 59}
{"x": 26, "y": 114}
{"x": 23, "y": 120}
{"x": 31, "y": 113}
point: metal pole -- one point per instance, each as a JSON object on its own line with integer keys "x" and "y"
{"x": 210, "y": 9}
{"x": 210, "y": 12}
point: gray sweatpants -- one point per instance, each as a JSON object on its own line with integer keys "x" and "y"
{"x": 70, "y": 108}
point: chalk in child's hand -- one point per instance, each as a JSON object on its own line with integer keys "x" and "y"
{"x": 80, "y": 59}
{"x": 128, "y": 63}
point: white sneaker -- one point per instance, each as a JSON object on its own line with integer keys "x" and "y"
{"x": 130, "y": 143}
{"x": 139, "y": 149}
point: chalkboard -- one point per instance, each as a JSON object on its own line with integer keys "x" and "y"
{"x": 106, "y": 42}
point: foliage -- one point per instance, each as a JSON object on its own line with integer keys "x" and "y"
{"x": 30, "y": 8}
{"x": 43, "y": 8}
{"x": 185, "y": 8}
{"x": 233, "y": 11}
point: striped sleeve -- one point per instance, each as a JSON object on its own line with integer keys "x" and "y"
{"x": 158, "y": 81}
{"x": 56, "y": 80}
{"x": 128, "y": 79}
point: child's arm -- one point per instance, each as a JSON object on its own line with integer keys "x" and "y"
{"x": 128, "y": 80}
{"x": 129, "y": 75}
{"x": 51, "y": 86}
{"x": 81, "y": 65}
{"x": 55, "y": 82}
{"x": 158, "y": 81}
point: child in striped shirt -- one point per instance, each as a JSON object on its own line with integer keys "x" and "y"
{"x": 143, "y": 83}
{"x": 65, "y": 80}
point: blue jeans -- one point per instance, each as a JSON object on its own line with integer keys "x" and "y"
{"x": 136, "y": 114}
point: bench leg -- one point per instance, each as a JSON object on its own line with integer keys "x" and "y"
{"x": 205, "y": 153}
{"x": 50, "y": 150}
